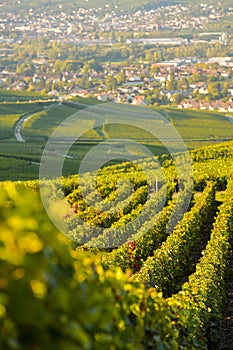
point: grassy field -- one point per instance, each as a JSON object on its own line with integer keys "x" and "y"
{"x": 200, "y": 128}
{"x": 10, "y": 113}
{"x": 20, "y": 96}
{"x": 20, "y": 160}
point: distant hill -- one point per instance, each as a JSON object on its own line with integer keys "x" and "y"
{"x": 125, "y": 4}
{"x": 120, "y": 4}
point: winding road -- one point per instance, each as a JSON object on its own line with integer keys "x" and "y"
{"x": 230, "y": 118}
{"x": 19, "y": 125}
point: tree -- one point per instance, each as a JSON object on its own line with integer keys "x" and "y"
{"x": 195, "y": 77}
{"x": 96, "y": 36}
{"x": 225, "y": 88}
{"x": 110, "y": 82}
{"x": 112, "y": 36}
{"x": 214, "y": 91}
{"x": 171, "y": 84}
{"x": 198, "y": 96}
{"x": 183, "y": 84}
{"x": 58, "y": 67}
{"x": 177, "y": 98}
{"x": 160, "y": 56}
{"x": 95, "y": 65}
{"x": 31, "y": 88}
{"x": 149, "y": 56}
{"x": 86, "y": 68}
{"x": 154, "y": 70}
{"x": 120, "y": 78}
{"x": 84, "y": 82}
{"x": 20, "y": 68}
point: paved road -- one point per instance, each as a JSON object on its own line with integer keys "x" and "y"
{"x": 19, "y": 126}
{"x": 230, "y": 118}
{"x": 24, "y": 118}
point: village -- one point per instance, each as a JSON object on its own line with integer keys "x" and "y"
{"x": 186, "y": 83}
{"x": 168, "y": 72}
{"x": 84, "y": 25}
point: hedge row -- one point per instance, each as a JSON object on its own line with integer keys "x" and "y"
{"x": 166, "y": 268}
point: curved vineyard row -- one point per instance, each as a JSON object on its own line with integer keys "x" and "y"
{"x": 201, "y": 299}
{"x": 82, "y": 306}
{"x": 148, "y": 238}
{"x": 216, "y": 170}
{"x": 223, "y": 150}
{"x": 165, "y": 269}
{"x": 101, "y": 206}
{"x": 67, "y": 299}
{"x": 94, "y": 224}
{"x": 130, "y": 224}
{"x": 84, "y": 300}
{"x": 105, "y": 218}
{"x": 132, "y": 254}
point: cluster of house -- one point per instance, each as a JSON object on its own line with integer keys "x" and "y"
{"x": 81, "y": 25}
{"x": 218, "y": 105}
{"x": 139, "y": 81}
{"x": 123, "y": 95}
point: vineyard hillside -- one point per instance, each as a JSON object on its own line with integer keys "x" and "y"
{"x": 27, "y": 122}
{"x": 143, "y": 265}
